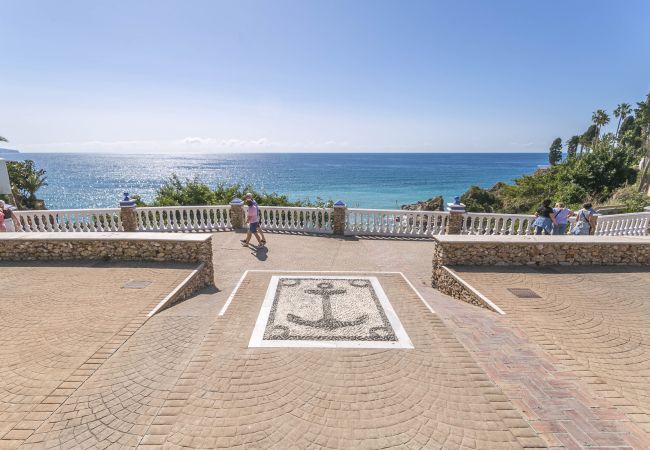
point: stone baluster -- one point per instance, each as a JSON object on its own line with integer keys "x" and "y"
{"x": 127, "y": 214}
{"x": 340, "y": 215}
{"x": 237, "y": 213}
{"x": 456, "y": 215}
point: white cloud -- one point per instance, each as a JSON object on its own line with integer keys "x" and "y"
{"x": 517, "y": 144}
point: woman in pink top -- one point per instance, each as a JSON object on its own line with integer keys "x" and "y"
{"x": 252, "y": 218}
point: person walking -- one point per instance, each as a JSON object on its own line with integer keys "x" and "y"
{"x": 252, "y": 219}
{"x": 247, "y": 197}
{"x": 545, "y": 218}
{"x": 583, "y": 220}
{"x": 561, "y": 218}
{"x": 7, "y": 218}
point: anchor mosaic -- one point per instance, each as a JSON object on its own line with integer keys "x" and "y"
{"x": 327, "y": 311}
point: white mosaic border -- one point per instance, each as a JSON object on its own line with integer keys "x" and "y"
{"x": 257, "y": 338}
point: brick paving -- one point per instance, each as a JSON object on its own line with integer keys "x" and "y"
{"x": 60, "y": 323}
{"x": 126, "y": 382}
{"x": 433, "y": 396}
{"x": 582, "y": 374}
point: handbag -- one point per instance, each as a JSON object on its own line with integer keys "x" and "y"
{"x": 582, "y": 227}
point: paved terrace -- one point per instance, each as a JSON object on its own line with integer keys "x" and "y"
{"x": 81, "y": 366}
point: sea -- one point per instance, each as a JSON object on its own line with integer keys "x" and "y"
{"x": 361, "y": 180}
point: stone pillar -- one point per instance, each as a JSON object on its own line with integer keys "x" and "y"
{"x": 237, "y": 213}
{"x": 593, "y": 221}
{"x": 340, "y": 213}
{"x": 455, "y": 220}
{"x": 127, "y": 214}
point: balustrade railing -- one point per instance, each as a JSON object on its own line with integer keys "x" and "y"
{"x": 635, "y": 224}
{"x": 69, "y": 220}
{"x": 183, "y": 218}
{"x": 501, "y": 224}
{"x": 368, "y": 222}
{"x": 384, "y": 222}
{"x": 309, "y": 220}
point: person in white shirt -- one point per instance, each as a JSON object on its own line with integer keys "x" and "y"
{"x": 561, "y": 218}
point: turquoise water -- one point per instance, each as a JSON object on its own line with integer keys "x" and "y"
{"x": 378, "y": 180}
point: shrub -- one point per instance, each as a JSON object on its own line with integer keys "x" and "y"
{"x": 189, "y": 192}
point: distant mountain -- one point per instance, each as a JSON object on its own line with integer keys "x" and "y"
{"x": 6, "y": 150}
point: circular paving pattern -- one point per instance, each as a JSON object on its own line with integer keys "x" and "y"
{"x": 600, "y": 317}
{"x": 433, "y": 395}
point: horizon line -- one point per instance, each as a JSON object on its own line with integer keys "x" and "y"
{"x": 368, "y": 152}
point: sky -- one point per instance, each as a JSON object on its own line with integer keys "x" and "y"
{"x": 314, "y": 76}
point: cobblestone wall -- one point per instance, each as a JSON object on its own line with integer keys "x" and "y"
{"x": 452, "y": 251}
{"x": 477, "y": 253}
{"x": 114, "y": 248}
{"x": 447, "y": 284}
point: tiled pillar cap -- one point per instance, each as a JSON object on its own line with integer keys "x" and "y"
{"x": 126, "y": 202}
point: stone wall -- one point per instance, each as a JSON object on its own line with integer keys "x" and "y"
{"x": 540, "y": 250}
{"x": 446, "y": 283}
{"x": 450, "y": 251}
{"x": 112, "y": 247}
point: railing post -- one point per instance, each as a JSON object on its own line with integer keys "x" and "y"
{"x": 237, "y": 213}
{"x": 127, "y": 214}
{"x": 593, "y": 222}
{"x": 340, "y": 213}
{"x": 456, "y": 214}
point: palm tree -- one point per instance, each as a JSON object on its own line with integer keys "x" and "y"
{"x": 572, "y": 145}
{"x": 32, "y": 183}
{"x": 582, "y": 140}
{"x": 621, "y": 111}
{"x": 600, "y": 118}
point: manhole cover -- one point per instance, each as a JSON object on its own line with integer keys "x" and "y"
{"x": 137, "y": 284}
{"x": 523, "y": 293}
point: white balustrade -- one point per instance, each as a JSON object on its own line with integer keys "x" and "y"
{"x": 378, "y": 222}
{"x": 385, "y": 222}
{"x": 183, "y": 218}
{"x": 497, "y": 224}
{"x": 634, "y": 224}
{"x": 69, "y": 220}
{"x": 310, "y": 220}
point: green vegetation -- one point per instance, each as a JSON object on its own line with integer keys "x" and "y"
{"x": 602, "y": 169}
{"x": 25, "y": 180}
{"x": 177, "y": 192}
{"x": 3, "y": 139}
{"x": 555, "y": 152}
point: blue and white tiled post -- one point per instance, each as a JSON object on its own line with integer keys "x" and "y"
{"x": 237, "y": 213}
{"x": 456, "y": 214}
{"x": 127, "y": 214}
{"x": 340, "y": 213}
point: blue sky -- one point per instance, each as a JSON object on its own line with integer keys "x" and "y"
{"x": 196, "y": 76}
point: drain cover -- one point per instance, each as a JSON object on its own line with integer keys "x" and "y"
{"x": 137, "y": 284}
{"x": 524, "y": 293}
